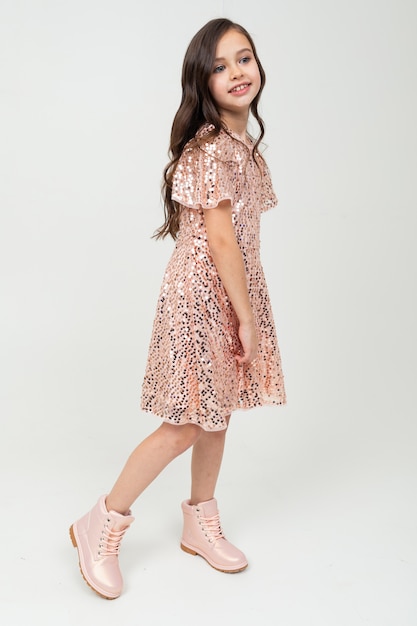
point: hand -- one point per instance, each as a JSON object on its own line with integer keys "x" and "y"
{"x": 249, "y": 342}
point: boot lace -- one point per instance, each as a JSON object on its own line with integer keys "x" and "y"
{"x": 211, "y": 527}
{"x": 110, "y": 540}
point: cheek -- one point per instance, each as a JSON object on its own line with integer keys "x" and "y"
{"x": 213, "y": 85}
{"x": 258, "y": 76}
{"x": 257, "y": 80}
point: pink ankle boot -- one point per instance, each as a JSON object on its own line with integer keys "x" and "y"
{"x": 203, "y": 535}
{"x": 97, "y": 536}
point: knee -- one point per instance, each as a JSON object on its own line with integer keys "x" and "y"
{"x": 181, "y": 437}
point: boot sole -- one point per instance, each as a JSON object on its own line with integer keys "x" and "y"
{"x": 74, "y": 543}
{"x": 219, "y": 569}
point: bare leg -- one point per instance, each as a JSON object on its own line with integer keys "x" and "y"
{"x": 148, "y": 460}
{"x": 205, "y": 464}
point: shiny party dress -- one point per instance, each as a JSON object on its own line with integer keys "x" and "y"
{"x": 192, "y": 375}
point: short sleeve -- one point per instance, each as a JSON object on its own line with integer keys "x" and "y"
{"x": 203, "y": 177}
{"x": 268, "y": 197}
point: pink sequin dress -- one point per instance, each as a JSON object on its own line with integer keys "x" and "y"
{"x": 192, "y": 375}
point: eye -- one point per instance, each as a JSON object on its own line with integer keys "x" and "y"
{"x": 218, "y": 69}
{"x": 245, "y": 60}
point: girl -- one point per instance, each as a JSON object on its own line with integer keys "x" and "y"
{"x": 213, "y": 347}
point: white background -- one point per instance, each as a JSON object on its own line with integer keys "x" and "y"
{"x": 321, "y": 494}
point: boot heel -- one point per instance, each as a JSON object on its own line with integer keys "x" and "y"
{"x": 72, "y": 536}
{"x": 188, "y": 550}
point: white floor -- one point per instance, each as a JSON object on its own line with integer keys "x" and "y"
{"x": 328, "y": 525}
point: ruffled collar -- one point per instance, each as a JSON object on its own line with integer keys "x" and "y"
{"x": 207, "y": 128}
{"x": 226, "y": 146}
{"x": 249, "y": 141}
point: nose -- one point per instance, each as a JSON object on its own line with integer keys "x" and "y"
{"x": 236, "y": 72}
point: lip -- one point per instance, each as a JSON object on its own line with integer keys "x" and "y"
{"x": 241, "y": 92}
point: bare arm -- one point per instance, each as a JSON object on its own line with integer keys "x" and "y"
{"x": 228, "y": 260}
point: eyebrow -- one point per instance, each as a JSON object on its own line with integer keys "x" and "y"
{"x": 217, "y": 59}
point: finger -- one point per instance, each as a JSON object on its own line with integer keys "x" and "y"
{"x": 243, "y": 358}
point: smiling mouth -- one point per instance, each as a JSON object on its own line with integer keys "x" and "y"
{"x": 239, "y": 88}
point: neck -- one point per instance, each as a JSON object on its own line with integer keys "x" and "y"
{"x": 237, "y": 124}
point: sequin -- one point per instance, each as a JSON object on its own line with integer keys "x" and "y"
{"x": 192, "y": 375}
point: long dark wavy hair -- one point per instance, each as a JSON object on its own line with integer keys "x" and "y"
{"x": 198, "y": 107}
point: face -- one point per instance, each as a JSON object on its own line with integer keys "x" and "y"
{"x": 235, "y": 80}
